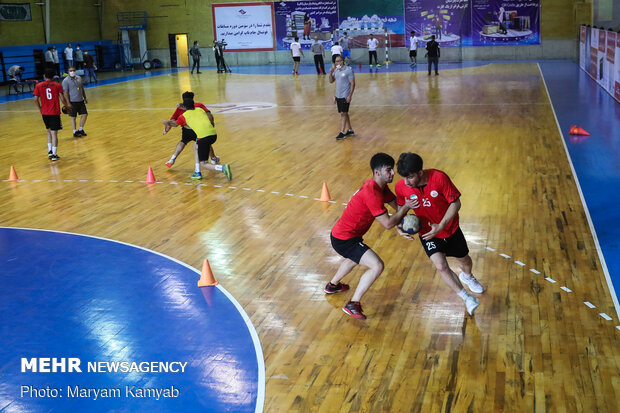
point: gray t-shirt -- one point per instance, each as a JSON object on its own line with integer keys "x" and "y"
{"x": 344, "y": 42}
{"x": 343, "y": 77}
{"x": 79, "y": 55}
{"x": 317, "y": 48}
{"x": 74, "y": 86}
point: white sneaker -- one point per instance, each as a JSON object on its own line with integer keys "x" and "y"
{"x": 471, "y": 283}
{"x": 471, "y": 303}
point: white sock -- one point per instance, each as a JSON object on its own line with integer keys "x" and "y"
{"x": 81, "y": 128}
{"x": 54, "y": 148}
{"x": 173, "y": 157}
{"x": 197, "y": 168}
{"x": 219, "y": 167}
{"x": 49, "y": 147}
{"x": 74, "y": 130}
{"x": 463, "y": 294}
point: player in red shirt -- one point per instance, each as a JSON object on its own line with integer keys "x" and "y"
{"x": 46, "y": 97}
{"x": 187, "y": 135}
{"x": 366, "y": 206}
{"x": 437, "y": 203}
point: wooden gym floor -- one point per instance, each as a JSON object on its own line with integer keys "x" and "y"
{"x": 531, "y": 346}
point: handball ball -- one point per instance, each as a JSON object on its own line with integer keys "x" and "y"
{"x": 411, "y": 224}
{"x": 65, "y": 110}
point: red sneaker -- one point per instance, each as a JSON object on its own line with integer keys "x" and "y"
{"x": 354, "y": 309}
{"x": 338, "y": 288}
{"x": 169, "y": 164}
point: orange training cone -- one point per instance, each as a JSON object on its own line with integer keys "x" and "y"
{"x": 206, "y": 277}
{"x": 150, "y": 177}
{"x": 573, "y": 130}
{"x": 13, "y": 175}
{"x": 325, "y": 194}
{"x": 582, "y": 131}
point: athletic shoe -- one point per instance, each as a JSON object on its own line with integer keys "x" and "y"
{"x": 169, "y": 164}
{"x": 77, "y": 134}
{"x": 471, "y": 283}
{"x": 199, "y": 73}
{"x": 378, "y": 65}
{"x": 349, "y": 132}
{"x": 371, "y": 65}
{"x": 335, "y": 288}
{"x": 215, "y": 160}
{"x": 340, "y": 136}
{"x": 471, "y": 303}
{"x": 81, "y": 132}
{"x": 196, "y": 175}
{"x": 55, "y": 157}
{"x": 354, "y": 309}
{"x": 50, "y": 154}
{"x": 226, "y": 170}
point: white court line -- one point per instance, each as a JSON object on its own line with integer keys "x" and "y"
{"x": 260, "y": 190}
{"x": 505, "y": 255}
{"x": 568, "y": 290}
{"x": 589, "y": 304}
{"x": 475, "y": 242}
{"x": 551, "y": 280}
{"x": 583, "y": 202}
{"x": 289, "y": 194}
{"x": 491, "y": 249}
{"x": 534, "y": 271}
{"x": 246, "y": 189}
{"x": 520, "y": 263}
{"x": 605, "y": 316}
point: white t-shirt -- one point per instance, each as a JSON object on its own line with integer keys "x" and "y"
{"x": 337, "y": 49}
{"x": 413, "y": 43}
{"x": 296, "y": 49}
{"x": 372, "y": 44}
{"x": 69, "y": 53}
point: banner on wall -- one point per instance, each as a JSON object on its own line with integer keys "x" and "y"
{"x": 582, "y": 47}
{"x": 594, "y": 53}
{"x": 244, "y": 26}
{"x": 616, "y": 92}
{"x": 602, "y": 57}
{"x": 510, "y": 23}
{"x": 363, "y": 17}
{"x": 15, "y": 12}
{"x": 306, "y": 20}
{"x": 610, "y": 71}
{"x": 448, "y": 21}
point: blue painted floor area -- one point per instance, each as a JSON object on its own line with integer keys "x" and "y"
{"x": 103, "y": 82}
{"x": 579, "y": 100}
{"x": 66, "y": 295}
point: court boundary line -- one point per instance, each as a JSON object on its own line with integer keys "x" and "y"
{"x": 484, "y": 244}
{"x": 597, "y": 244}
{"x": 260, "y": 397}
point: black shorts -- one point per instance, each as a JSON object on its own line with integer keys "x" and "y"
{"x": 188, "y": 135}
{"x": 78, "y": 107}
{"x": 52, "y": 122}
{"x": 296, "y": 58}
{"x": 352, "y": 248}
{"x": 453, "y": 246}
{"x": 204, "y": 147}
{"x": 413, "y": 53}
{"x": 343, "y": 105}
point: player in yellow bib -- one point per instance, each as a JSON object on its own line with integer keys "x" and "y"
{"x": 202, "y": 123}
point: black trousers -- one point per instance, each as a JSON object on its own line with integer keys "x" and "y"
{"x": 433, "y": 61}
{"x": 218, "y": 62}
{"x": 370, "y": 55}
{"x": 319, "y": 63}
{"x": 196, "y": 65}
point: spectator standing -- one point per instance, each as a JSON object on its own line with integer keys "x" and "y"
{"x": 318, "y": 51}
{"x": 433, "y": 53}
{"x": 56, "y": 61}
{"x": 79, "y": 57}
{"x": 15, "y": 76}
{"x": 49, "y": 59}
{"x": 89, "y": 71}
{"x": 68, "y": 52}
{"x": 195, "y": 53}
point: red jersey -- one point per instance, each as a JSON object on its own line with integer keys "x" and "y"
{"x": 48, "y": 91}
{"x": 365, "y": 205}
{"x": 180, "y": 111}
{"x": 435, "y": 197}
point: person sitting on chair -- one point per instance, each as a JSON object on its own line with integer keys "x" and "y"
{"x": 15, "y": 76}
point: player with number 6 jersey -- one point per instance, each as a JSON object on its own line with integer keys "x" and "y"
{"x": 437, "y": 203}
{"x": 47, "y": 97}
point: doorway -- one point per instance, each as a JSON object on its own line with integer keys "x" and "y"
{"x": 181, "y": 46}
